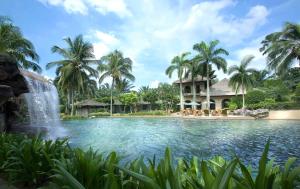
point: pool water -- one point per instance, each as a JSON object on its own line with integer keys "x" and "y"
{"x": 133, "y": 137}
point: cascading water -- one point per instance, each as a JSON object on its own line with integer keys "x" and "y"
{"x": 43, "y": 107}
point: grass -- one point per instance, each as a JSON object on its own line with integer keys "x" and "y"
{"x": 35, "y": 162}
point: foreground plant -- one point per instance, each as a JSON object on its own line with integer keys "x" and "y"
{"x": 52, "y": 164}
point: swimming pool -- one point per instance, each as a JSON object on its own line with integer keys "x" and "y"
{"x": 132, "y": 137}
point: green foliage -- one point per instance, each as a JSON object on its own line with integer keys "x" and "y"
{"x": 99, "y": 114}
{"x": 282, "y": 48}
{"x": 129, "y": 99}
{"x": 237, "y": 100}
{"x": 296, "y": 98}
{"x": 149, "y": 113}
{"x": 70, "y": 117}
{"x": 292, "y": 78}
{"x": 13, "y": 43}
{"x": 150, "y": 96}
{"x": 35, "y": 162}
{"x": 30, "y": 160}
{"x": 168, "y": 94}
{"x": 232, "y": 106}
{"x": 255, "y": 96}
{"x": 275, "y": 88}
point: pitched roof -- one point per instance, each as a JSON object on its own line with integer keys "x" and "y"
{"x": 222, "y": 88}
{"x": 90, "y": 102}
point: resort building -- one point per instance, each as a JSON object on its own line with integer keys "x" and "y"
{"x": 220, "y": 93}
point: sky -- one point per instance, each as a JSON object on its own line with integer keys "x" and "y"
{"x": 151, "y": 32}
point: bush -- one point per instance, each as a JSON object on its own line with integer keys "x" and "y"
{"x": 254, "y": 97}
{"x": 238, "y": 100}
{"x": 99, "y": 114}
{"x": 35, "y": 162}
{"x": 232, "y": 106}
{"x": 151, "y": 113}
{"x": 69, "y": 117}
{"x": 296, "y": 98}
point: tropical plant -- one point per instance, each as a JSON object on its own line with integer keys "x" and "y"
{"x": 296, "y": 98}
{"x": 259, "y": 76}
{"x": 124, "y": 86}
{"x": 275, "y": 88}
{"x": 37, "y": 163}
{"x": 193, "y": 70}
{"x": 13, "y": 43}
{"x": 255, "y": 96}
{"x": 282, "y": 48}
{"x": 128, "y": 99}
{"x": 74, "y": 71}
{"x": 168, "y": 94}
{"x": 115, "y": 66}
{"x": 179, "y": 63}
{"x": 241, "y": 78}
{"x": 151, "y": 96}
{"x": 209, "y": 54}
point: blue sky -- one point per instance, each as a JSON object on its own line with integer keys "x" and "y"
{"x": 151, "y": 32}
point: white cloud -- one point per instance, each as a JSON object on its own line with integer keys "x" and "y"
{"x": 104, "y": 7}
{"x": 71, "y": 6}
{"x": 114, "y": 6}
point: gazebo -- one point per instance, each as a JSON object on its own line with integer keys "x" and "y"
{"x": 83, "y": 108}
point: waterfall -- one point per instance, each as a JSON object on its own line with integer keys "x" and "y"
{"x": 43, "y": 107}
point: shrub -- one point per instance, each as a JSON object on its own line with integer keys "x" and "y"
{"x": 69, "y": 117}
{"x": 35, "y": 162}
{"x": 254, "y": 97}
{"x": 232, "y": 106}
{"x": 99, "y": 114}
{"x": 237, "y": 100}
{"x": 296, "y": 98}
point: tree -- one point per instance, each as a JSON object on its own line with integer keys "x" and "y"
{"x": 296, "y": 98}
{"x": 241, "y": 77}
{"x": 128, "y": 99}
{"x": 282, "y": 48}
{"x": 168, "y": 94}
{"x": 115, "y": 66}
{"x": 209, "y": 54}
{"x": 179, "y": 63}
{"x": 13, "y": 43}
{"x": 292, "y": 78}
{"x": 193, "y": 71}
{"x": 74, "y": 71}
{"x": 276, "y": 89}
{"x": 259, "y": 76}
{"x": 124, "y": 86}
{"x": 150, "y": 96}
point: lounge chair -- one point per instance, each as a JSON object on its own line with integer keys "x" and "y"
{"x": 206, "y": 112}
{"x": 224, "y": 112}
{"x": 214, "y": 113}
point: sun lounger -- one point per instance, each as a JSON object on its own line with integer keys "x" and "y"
{"x": 206, "y": 112}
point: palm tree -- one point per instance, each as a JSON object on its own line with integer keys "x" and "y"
{"x": 124, "y": 86}
{"x": 208, "y": 55}
{"x": 75, "y": 70}
{"x": 115, "y": 66}
{"x": 13, "y": 43}
{"x": 178, "y": 63}
{"x": 242, "y": 76}
{"x": 282, "y": 48}
{"x": 260, "y": 76}
{"x": 193, "y": 70}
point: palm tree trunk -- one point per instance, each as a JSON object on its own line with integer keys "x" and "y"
{"x": 72, "y": 101}
{"x": 207, "y": 88}
{"x": 181, "y": 95}
{"x": 111, "y": 96}
{"x": 243, "y": 97}
{"x": 194, "y": 93}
